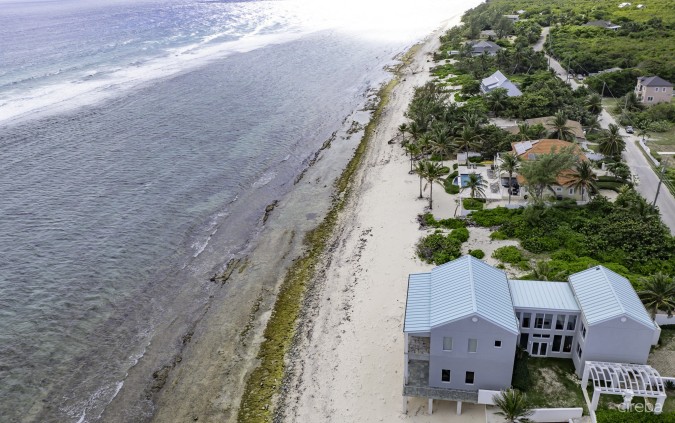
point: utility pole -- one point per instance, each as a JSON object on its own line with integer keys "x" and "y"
{"x": 603, "y": 89}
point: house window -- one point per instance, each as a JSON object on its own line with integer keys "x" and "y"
{"x": 559, "y": 189}
{"x": 579, "y": 351}
{"x": 539, "y": 321}
{"x": 571, "y": 191}
{"x": 447, "y": 343}
{"x": 557, "y": 341}
{"x": 445, "y": 375}
{"x": 469, "y": 378}
{"x": 560, "y": 322}
{"x": 567, "y": 346}
{"x": 473, "y": 345}
{"x": 583, "y": 330}
{"x": 572, "y": 323}
{"x": 650, "y": 98}
{"x": 498, "y": 344}
{"x": 548, "y": 318}
{"x": 526, "y": 320}
{"x": 656, "y": 89}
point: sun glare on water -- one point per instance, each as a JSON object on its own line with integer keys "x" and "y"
{"x": 381, "y": 19}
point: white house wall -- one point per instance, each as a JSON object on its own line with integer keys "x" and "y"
{"x": 493, "y": 367}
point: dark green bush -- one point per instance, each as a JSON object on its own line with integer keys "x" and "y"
{"x": 460, "y": 234}
{"x": 473, "y": 203}
{"x": 455, "y": 166}
{"x": 508, "y": 254}
{"x": 438, "y": 248}
{"x": 521, "y": 373}
{"x": 450, "y": 188}
{"x": 479, "y": 254}
{"x": 541, "y": 244}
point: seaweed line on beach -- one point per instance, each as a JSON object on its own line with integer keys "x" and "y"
{"x": 264, "y": 385}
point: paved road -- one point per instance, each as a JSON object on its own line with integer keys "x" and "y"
{"x": 639, "y": 166}
{"x": 559, "y": 70}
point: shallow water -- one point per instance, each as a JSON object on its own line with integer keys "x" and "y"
{"x": 128, "y": 134}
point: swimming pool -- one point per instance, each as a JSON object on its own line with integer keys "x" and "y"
{"x": 464, "y": 178}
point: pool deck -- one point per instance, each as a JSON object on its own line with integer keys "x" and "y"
{"x": 494, "y": 190}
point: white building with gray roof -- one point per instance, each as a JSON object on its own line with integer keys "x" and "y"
{"x": 499, "y": 80}
{"x": 465, "y": 319}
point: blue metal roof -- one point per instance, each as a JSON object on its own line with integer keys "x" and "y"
{"x": 417, "y": 304}
{"x": 468, "y": 286}
{"x": 604, "y": 295}
{"x": 543, "y": 294}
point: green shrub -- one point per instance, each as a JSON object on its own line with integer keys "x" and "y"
{"x": 450, "y": 188}
{"x": 501, "y": 266}
{"x": 479, "y": 254}
{"x": 427, "y": 219}
{"x": 521, "y": 372}
{"x": 498, "y": 235}
{"x": 452, "y": 176}
{"x": 540, "y": 244}
{"x": 564, "y": 255}
{"x": 508, "y": 254}
{"x": 455, "y": 166}
{"x": 438, "y": 248}
{"x": 523, "y": 265}
{"x": 473, "y": 203}
{"x": 612, "y": 186}
{"x": 494, "y": 217}
{"x": 460, "y": 234}
{"x": 618, "y": 416}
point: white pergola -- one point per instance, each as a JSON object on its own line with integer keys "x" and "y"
{"x": 628, "y": 380}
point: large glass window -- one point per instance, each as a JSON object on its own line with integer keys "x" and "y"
{"x": 567, "y": 346}
{"x": 539, "y": 321}
{"x": 469, "y": 378}
{"x": 579, "y": 351}
{"x": 572, "y": 323}
{"x": 445, "y": 375}
{"x": 473, "y": 345}
{"x": 548, "y": 318}
{"x": 526, "y": 320}
{"x": 557, "y": 341}
{"x": 447, "y": 343}
{"x": 560, "y": 322}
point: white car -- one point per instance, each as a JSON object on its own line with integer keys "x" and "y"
{"x": 629, "y": 129}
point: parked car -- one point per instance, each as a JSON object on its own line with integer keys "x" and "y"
{"x": 629, "y": 129}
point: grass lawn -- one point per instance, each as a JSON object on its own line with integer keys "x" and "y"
{"x": 662, "y": 141}
{"x": 554, "y": 383}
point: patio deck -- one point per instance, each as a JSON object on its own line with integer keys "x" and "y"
{"x": 418, "y": 386}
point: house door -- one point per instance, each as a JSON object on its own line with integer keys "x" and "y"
{"x": 539, "y": 349}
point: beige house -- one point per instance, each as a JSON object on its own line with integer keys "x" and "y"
{"x": 653, "y": 89}
{"x": 529, "y": 150}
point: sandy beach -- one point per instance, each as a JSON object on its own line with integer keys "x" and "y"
{"x": 348, "y": 363}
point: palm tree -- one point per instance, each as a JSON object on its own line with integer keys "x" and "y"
{"x": 524, "y": 131}
{"x": 414, "y": 130}
{"x": 497, "y": 100}
{"x": 439, "y": 140}
{"x": 476, "y": 184}
{"x": 402, "y": 129}
{"x": 542, "y": 271}
{"x": 413, "y": 150}
{"x": 433, "y": 173}
{"x": 643, "y": 132}
{"x": 420, "y": 169}
{"x": 510, "y": 164}
{"x": 658, "y": 294}
{"x": 583, "y": 178}
{"x": 592, "y": 125}
{"x": 466, "y": 140}
{"x": 594, "y": 104}
{"x": 560, "y": 128}
{"x": 611, "y": 142}
{"x": 513, "y": 406}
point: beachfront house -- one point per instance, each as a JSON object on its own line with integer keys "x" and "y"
{"x": 484, "y": 47}
{"x": 498, "y": 80}
{"x": 530, "y": 150}
{"x": 653, "y": 89}
{"x": 464, "y": 320}
{"x": 512, "y": 18}
{"x": 604, "y": 25}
